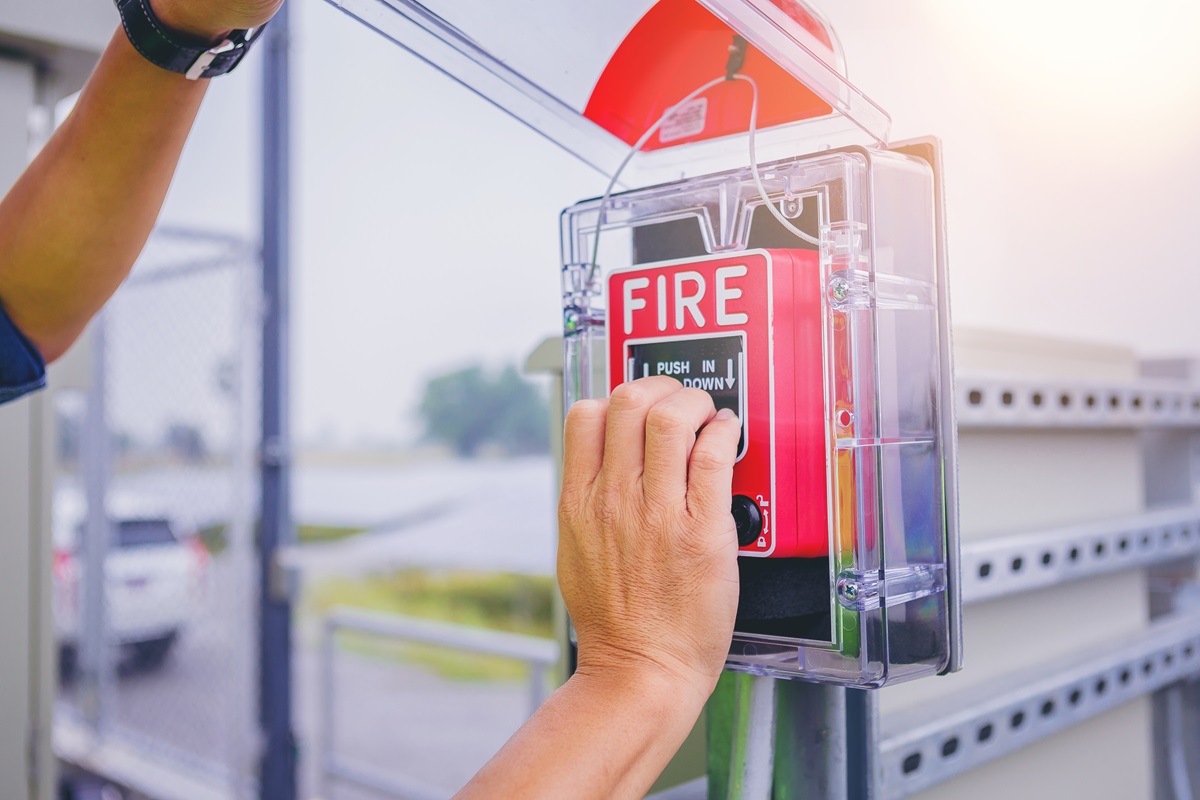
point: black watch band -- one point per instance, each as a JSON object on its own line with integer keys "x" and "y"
{"x": 190, "y": 57}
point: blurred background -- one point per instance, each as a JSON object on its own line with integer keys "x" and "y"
{"x": 424, "y": 276}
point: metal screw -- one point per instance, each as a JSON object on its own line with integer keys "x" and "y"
{"x": 792, "y": 207}
{"x": 839, "y": 288}
{"x": 571, "y": 320}
{"x": 848, "y": 590}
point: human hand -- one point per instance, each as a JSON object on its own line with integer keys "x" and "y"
{"x": 214, "y": 19}
{"x": 647, "y": 558}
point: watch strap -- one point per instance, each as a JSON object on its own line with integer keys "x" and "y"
{"x": 191, "y": 57}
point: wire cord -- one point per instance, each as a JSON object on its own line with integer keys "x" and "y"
{"x": 645, "y": 137}
{"x": 758, "y": 184}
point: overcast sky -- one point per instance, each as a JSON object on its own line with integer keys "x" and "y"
{"x": 426, "y": 224}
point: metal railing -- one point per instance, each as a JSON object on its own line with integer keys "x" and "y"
{"x": 539, "y": 654}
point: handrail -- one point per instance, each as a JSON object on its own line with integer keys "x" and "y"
{"x": 540, "y": 654}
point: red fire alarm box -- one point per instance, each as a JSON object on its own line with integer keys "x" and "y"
{"x": 746, "y": 328}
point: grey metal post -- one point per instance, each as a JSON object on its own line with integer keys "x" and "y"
{"x": 326, "y": 741}
{"x": 240, "y": 603}
{"x": 751, "y": 769}
{"x": 277, "y": 777}
{"x": 862, "y": 744}
{"x": 811, "y": 746}
{"x": 93, "y": 641}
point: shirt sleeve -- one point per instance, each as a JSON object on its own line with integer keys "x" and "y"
{"x": 22, "y": 369}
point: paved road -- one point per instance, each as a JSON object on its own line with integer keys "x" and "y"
{"x": 486, "y": 515}
{"x": 406, "y": 721}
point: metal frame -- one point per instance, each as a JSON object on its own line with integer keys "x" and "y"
{"x": 961, "y": 731}
{"x": 87, "y": 740}
{"x": 277, "y": 769}
{"x": 540, "y": 654}
{"x": 957, "y": 733}
{"x": 987, "y": 401}
{"x": 1026, "y": 561}
{"x": 124, "y": 761}
{"x": 929, "y": 149}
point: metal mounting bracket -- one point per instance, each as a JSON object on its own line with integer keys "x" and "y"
{"x": 964, "y": 730}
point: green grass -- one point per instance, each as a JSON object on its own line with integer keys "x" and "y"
{"x": 216, "y": 540}
{"x": 324, "y": 533}
{"x": 495, "y": 601}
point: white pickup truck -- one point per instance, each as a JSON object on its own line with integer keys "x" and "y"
{"x": 153, "y": 579}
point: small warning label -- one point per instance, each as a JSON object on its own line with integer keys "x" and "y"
{"x": 688, "y": 120}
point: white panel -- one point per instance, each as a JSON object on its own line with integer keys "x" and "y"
{"x": 988, "y": 351}
{"x": 1025, "y": 479}
{"x": 1010, "y": 481}
{"x": 1105, "y": 758}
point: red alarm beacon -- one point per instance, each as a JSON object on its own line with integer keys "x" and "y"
{"x": 746, "y": 328}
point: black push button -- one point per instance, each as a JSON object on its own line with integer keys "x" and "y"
{"x": 747, "y": 518}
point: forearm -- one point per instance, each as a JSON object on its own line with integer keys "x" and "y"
{"x": 74, "y": 223}
{"x": 596, "y": 737}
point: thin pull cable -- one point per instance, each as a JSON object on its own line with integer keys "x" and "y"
{"x": 645, "y": 137}
{"x": 758, "y": 184}
{"x": 637, "y": 146}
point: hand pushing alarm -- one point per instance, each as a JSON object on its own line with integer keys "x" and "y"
{"x": 746, "y": 328}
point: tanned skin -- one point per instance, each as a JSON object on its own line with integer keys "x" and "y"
{"x": 76, "y": 220}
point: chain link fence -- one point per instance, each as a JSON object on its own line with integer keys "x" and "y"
{"x": 155, "y": 494}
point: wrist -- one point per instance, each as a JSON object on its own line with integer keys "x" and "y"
{"x": 179, "y": 19}
{"x": 653, "y": 665}
{"x": 662, "y": 692}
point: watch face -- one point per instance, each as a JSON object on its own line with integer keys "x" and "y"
{"x": 715, "y": 364}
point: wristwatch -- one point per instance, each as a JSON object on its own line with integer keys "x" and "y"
{"x": 191, "y": 57}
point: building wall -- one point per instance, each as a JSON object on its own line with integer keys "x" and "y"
{"x": 1012, "y": 481}
{"x": 50, "y": 47}
{"x": 19, "y": 509}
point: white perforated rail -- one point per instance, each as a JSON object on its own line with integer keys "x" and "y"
{"x": 964, "y": 730}
{"x": 1032, "y": 560}
{"x": 991, "y": 401}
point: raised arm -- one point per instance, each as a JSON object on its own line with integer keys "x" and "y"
{"x": 647, "y": 564}
{"x": 75, "y": 221}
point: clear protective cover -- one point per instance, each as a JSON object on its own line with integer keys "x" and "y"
{"x": 590, "y": 76}
{"x": 850, "y": 583}
{"x": 824, "y": 275}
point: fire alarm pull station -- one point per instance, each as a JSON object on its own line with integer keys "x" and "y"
{"x": 746, "y": 328}
{"x": 761, "y": 238}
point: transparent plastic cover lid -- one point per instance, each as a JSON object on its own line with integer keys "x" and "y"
{"x": 593, "y": 77}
